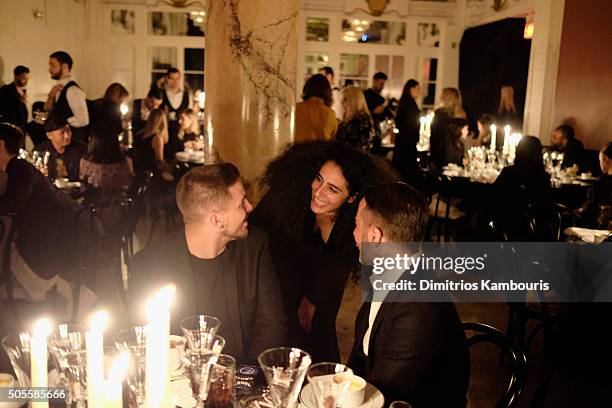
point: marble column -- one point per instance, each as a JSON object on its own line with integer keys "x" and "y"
{"x": 250, "y": 79}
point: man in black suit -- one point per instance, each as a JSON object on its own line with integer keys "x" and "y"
{"x": 564, "y": 141}
{"x": 143, "y": 107}
{"x": 13, "y": 98}
{"x": 412, "y": 351}
{"x": 219, "y": 265}
{"x": 45, "y": 217}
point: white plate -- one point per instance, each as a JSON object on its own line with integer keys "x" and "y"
{"x": 373, "y": 397}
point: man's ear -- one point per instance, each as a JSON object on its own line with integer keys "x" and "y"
{"x": 375, "y": 234}
{"x": 216, "y": 219}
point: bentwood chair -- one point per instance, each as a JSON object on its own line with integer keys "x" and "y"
{"x": 517, "y": 361}
{"x": 7, "y": 234}
{"x": 547, "y": 221}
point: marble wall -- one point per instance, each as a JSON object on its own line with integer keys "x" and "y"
{"x": 250, "y": 79}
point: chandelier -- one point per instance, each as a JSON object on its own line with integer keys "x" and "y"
{"x": 357, "y": 30}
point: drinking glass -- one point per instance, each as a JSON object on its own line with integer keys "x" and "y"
{"x": 18, "y": 349}
{"x": 67, "y": 346}
{"x": 198, "y": 363}
{"x": 221, "y": 384}
{"x": 284, "y": 369}
{"x": 400, "y": 404}
{"x": 134, "y": 342}
{"x": 198, "y": 328}
{"x": 329, "y": 381}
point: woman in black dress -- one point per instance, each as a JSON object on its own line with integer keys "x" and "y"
{"x": 356, "y": 128}
{"x": 407, "y": 123}
{"x": 309, "y": 211}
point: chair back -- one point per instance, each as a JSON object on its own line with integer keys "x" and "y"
{"x": 7, "y": 234}
{"x": 547, "y": 220}
{"x": 515, "y": 356}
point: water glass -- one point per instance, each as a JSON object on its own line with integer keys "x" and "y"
{"x": 198, "y": 363}
{"x": 134, "y": 342}
{"x": 197, "y": 329}
{"x": 67, "y": 346}
{"x": 284, "y": 369}
{"x": 330, "y": 382}
{"x": 17, "y": 347}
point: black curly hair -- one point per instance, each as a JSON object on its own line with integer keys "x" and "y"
{"x": 285, "y": 208}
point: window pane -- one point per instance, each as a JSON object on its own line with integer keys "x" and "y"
{"x": 195, "y": 82}
{"x": 317, "y": 29}
{"x": 430, "y": 97}
{"x": 373, "y": 32}
{"x": 194, "y": 59}
{"x": 122, "y": 22}
{"x": 163, "y": 58}
{"x": 382, "y": 63}
{"x": 428, "y": 35}
{"x": 354, "y": 68}
{"x": 314, "y": 61}
{"x": 175, "y": 24}
{"x": 433, "y": 70}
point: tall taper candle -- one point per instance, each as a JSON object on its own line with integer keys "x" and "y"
{"x": 94, "y": 343}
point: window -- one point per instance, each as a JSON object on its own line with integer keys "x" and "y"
{"x": 174, "y": 24}
{"x": 122, "y": 22}
{"x": 354, "y": 68}
{"x": 393, "y": 66}
{"x": 373, "y": 32}
{"x": 314, "y": 62}
{"x": 428, "y": 35}
{"x": 161, "y": 59}
{"x": 194, "y": 68}
{"x": 317, "y": 29}
{"x": 427, "y": 78}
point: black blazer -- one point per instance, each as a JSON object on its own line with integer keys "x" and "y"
{"x": 417, "y": 353}
{"x": 12, "y": 108}
{"x": 252, "y": 291}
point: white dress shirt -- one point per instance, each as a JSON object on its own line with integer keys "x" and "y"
{"x": 176, "y": 98}
{"x": 390, "y": 276}
{"x": 77, "y": 102}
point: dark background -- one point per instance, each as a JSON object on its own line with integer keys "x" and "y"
{"x": 493, "y": 55}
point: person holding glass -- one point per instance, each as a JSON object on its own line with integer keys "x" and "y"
{"x": 308, "y": 211}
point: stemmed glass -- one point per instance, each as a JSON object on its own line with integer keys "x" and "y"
{"x": 199, "y": 361}
{"x": 67, "y": 346}
{"x": 284, "y": 369}
{"x": 197, "y": 328}
{"x": 134, "y": 342}
{"x": 329, "y": 381}
{"x": 17, "y": 347}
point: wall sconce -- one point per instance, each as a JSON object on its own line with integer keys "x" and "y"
{"x": 38, "y": 15}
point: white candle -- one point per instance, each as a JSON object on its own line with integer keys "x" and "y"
{"x": 428, "y": 121}
{"x": 506, "y": 138}
{"x": 94, "y": 343}
{"x": 113, "y": 390}
{"x": 38, "y": 358}
{"x": 422, "y": 128}
{"x": 124, "y": 109}
{"x": 157, "y": 375}
{"x": 493, "y": 136}
{"x": 210, "y": 139}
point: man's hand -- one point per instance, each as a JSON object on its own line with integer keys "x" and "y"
{"x": 306, "y": 312}
{"x": 55, "y": 90}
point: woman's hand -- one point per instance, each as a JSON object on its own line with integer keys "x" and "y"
{"x": 306, "y": 312}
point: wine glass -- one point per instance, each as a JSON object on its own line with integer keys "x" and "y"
{"x": 67, "y": 346}
{"x": 17, "y": 347}
{"x": 198, "y": 328}
{"x": 134, "y": 342}
{"x": 198, "y": 363}
{"x": 284, "y": 369}
{"x": 329, "y": 382}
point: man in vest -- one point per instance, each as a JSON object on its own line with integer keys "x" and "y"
{"x": 176, "y": 99}
{"x": 66, "y": 99}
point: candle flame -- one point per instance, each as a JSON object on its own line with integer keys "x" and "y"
{"x": 119, "y": 367}
{"x": 42, "y": 328}
{"x": 160, "y": 303}
{"x": 124, "y": 108}
{"x": 98, "y": 322}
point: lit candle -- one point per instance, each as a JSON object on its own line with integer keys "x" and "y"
{"x": 94, "y": 343}
{"x": 422, "y": 128}
{"x": 113, "y": 390}
{"x": 38, "y": 358}
{"x": 493, "y": 136}
{"x": 157, "y": 365}
{"x": 124, "y": 109}
{"x": 201, "y": 99}
{"x": 210, "y": 139}
{"x": 430, "y": 117}
{"x": 506, "y": 138}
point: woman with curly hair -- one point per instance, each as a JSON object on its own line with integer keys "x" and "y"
{"x": 309, "y": 212}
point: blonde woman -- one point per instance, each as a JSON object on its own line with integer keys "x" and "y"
{"x": 450, "y": 108}
{"x": 153, "y": 138}
{"x": 357, "y": 127}
{"x": 506, "y": 111}
{"x": 189, "y": 130}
